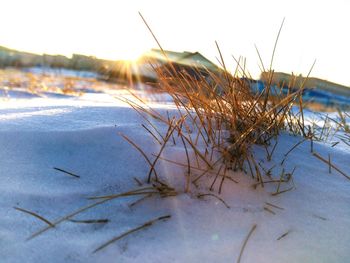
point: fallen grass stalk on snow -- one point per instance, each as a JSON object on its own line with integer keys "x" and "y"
{"x": 269, "y": 210}
{"x": 283, "y": 191}
{"x": 162, "y": 192}
{"x": 319, "y": 217}
{"x": 90, "y": 221}
{"x": 217, "y": 197}
{"x": 331, "y": 165}
{"x": 197, "y": 168}
{"x": 123, "y": 195}
{"x": 283, "y": 235}
{"x": 245, "y": 243}
{"x": 255, "y": 185}
{"x": 67, "y": 217}
{"x": 139, "y": 183}
{"x": 35, "y": 215}
{"x": 140, "y": 200}
{"x": 145, "y": 225}
{"x": 275, "y": 206}
{"x": 66, "y": 172}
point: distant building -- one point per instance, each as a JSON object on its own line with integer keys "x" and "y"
{"x": 314, "y": 89}
{"x": 194, "y": 65}
{"x": 284, "y": 80}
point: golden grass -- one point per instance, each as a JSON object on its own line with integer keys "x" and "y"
{"x": 219, "y": 119}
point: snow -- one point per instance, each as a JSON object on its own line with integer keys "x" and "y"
{"x": 82, "y": 135}
{"x": 62, "y": 72}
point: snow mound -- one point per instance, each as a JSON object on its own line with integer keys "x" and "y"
{"x": 82, "y": 135}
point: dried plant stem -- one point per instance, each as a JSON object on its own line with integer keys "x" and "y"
{"x": 90, "y": 221}
{"x": 269, "y": 154}
{"x": 142, "y": 152}
{"x": 139, "y": 183}
{"x": 140, "y": 200}
{"x": 311, "y": 145}
{"x": 145, "y": 225}
{"x": 207, "y": 170}
{"x": 334, "y": 144}
{"x": 269, "y": 210}
{"x": 222, "y": 180}
{"x": 217, "y": 197}
{"x": 268, "y": 182}
{"x": 275, "y": 206}
{"x": 330, "y": 164}
{"x": 257, "y": 171}
{"x": 80, "y": 210}
{"x": 320, "y": 217}
{"x": 65, "y": 172}
{"x": 295, "y": 146}
{"x": 245, "y": 243}
{"x": 283, "y": 191}
{"x": 281, "y": 179}
{"x": 283, "y": 235}
{"x": 166, "y": 139}
{"x": 150, "y": 30}
{"x": 216, "y": 177}
{"x": 55, "y": 223}
{"x": 152, "y": 134}
{"x": 188, "y": 177}
{"x": 35, "y": 215}
{"x": 195, "y": 168}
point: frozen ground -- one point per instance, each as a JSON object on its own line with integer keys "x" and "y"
{"x": 81, "y": 135}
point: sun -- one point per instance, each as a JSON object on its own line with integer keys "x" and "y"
{"x": 122, "y": 53}
{"x": 132, "y": 54}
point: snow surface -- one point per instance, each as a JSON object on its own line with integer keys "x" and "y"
{"x": 82, "y": 135}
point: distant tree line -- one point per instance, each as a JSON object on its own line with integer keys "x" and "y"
{"x": 14, "y": 58}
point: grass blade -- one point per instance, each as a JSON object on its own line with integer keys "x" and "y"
{"x": 245, "y": 243}
{"x": 35, "y": 215}
{"x": 145, "y": 225}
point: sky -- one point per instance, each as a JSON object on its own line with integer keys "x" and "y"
{"x": 112, "y": 29}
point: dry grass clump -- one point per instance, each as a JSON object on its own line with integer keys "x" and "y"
{"x": 220, "y": 118}
{"x": 45, "y": 82}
